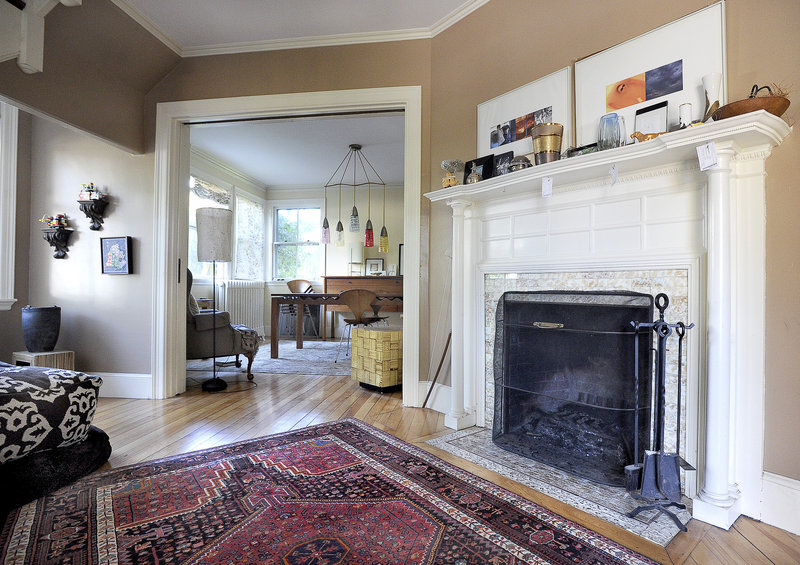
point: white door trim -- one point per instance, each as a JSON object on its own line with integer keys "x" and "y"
{"x": 169, "y": 237}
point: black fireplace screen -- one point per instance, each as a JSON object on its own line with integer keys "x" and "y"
{"x": 565, "y": 392}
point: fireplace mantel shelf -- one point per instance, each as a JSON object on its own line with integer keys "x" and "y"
{"x": 749, "y": 131}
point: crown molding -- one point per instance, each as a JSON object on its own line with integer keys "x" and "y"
{"x": 307, "y": 42}
{"x": 211, "y": 160}
{"x": 301, "y": 42}
{"x": 456, "y": 16}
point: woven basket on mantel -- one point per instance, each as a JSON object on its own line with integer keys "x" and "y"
{"x": 776, "y": 105}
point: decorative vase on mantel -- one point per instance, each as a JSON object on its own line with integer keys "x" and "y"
{"x": 40, "y": 328}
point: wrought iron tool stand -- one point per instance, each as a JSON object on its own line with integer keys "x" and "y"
{"x": 660, "y": 479}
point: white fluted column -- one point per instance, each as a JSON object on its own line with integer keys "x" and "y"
{"x": 457, "y": 418}
{"x": 716, "y": 501}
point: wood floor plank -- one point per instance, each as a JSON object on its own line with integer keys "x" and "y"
{"x": 779, "y": 546}
{"x": 732, "y": 547}
{"x": 145, "y": 429}
{"x": 682, "y": 545}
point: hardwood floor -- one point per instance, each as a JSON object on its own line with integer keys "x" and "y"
{"x": 141, "y": 430}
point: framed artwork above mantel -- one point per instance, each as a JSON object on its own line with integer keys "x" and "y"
{"x": 505, "y": 122}
{"x": 665, "y": 64}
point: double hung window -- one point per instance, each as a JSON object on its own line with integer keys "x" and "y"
{"x": 296, "y": 249}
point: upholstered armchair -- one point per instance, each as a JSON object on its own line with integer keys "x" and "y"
{"x": 230, "y": 339}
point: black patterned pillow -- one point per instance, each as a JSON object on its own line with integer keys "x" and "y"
{"x": 43, "y": 408}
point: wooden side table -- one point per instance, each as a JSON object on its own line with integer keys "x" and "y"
{"x": 52, "y": 359}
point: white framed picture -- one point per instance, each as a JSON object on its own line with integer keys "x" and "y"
{"x": 505, "y": 122}
{"x": 665, "y": 64}
{"x": 374, "y": 266}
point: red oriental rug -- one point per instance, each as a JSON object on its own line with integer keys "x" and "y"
{"x": 342, "y": 492}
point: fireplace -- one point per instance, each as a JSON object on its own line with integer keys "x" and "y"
{"x": 657, "y": 211}
{"x": 565, "y": 392}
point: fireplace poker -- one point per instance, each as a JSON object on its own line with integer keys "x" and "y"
{"x": 633, "y": 472}
{"x": 681, "y": 331}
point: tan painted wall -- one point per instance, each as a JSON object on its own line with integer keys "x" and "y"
{"x": 98, "y": 65}
{"x": 763, "y": 47}
{"x": 506, "y": 44}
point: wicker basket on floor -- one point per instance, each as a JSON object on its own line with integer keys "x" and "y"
{"x": 377, "y": 357}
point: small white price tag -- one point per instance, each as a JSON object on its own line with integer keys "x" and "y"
{"x": 614, "y": 174}
{"x": 547, "y": 187}
{"x": 707, "y": 156}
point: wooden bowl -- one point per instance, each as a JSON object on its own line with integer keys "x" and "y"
{"x": 776, "y": 105}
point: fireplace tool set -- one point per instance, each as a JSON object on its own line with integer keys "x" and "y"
{"x": 658, "y": 478}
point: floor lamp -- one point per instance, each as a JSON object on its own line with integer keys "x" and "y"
{"x": 214, "y": 244}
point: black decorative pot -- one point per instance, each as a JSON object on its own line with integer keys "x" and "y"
{"x": 40, "y": 327}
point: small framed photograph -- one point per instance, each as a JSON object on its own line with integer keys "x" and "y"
{"x": 484, "y": 166}
{"x": 374, "y": 266}
{"x": 115, "y": 255}
{"x": 501, "y": 163}
{"x": 652, "y": 119}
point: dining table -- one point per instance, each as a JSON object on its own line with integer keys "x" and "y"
{"x": 300, "y": 300}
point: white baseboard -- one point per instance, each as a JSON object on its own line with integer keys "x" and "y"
{"x": 780, "y": 499}
{"x": 126, "y": 385}
{"x": 440, "y": 397}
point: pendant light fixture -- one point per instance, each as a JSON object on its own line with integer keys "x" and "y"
{"x": 354, "y": 225}
{"x": 355, "y": 158}
{"x": 369, "y": 235}
{"x": 339, "y": 226}
{"x": 383, "y": 242}
{"x": 325, "y": 236}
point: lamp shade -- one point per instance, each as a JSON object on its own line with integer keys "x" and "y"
{"x": 214, "y": 234}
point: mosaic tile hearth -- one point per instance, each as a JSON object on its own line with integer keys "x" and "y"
{"x": 605, "y": 502}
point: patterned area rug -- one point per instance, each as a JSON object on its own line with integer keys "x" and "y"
{"x": 342, "y": 492}
{"x": 316, "y": 358}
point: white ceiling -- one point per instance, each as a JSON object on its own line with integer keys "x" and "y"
{"x": 204, "y": 27}
{"x": 296, "y": 152}
{"x": 305, "y": 152}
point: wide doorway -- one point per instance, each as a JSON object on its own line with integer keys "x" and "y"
{"x": 171, "y": 218}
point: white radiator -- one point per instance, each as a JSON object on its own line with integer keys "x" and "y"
{"x": 244, "y": 300}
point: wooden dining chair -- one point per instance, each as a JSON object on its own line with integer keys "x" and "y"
{"x": 360, "y": 303}
{"x": 299, "y": 286}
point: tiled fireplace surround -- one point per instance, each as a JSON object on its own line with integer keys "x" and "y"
{"x": 663, "y": 226}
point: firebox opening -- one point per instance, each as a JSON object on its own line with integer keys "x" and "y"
{"x": 565, "y": 387}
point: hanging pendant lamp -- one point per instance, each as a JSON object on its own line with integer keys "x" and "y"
{"x": 383, "y": 242}
{"x": 325, "y": 236}
{"x": 369, "y": 236}
{"x": 354, "y": 226}
{"x": 339, "y": 234}
{"x": 339, "y": 226}
{"x": 360, "y": 175}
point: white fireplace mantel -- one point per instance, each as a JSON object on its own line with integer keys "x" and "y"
{"x": 591, "y": 221}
